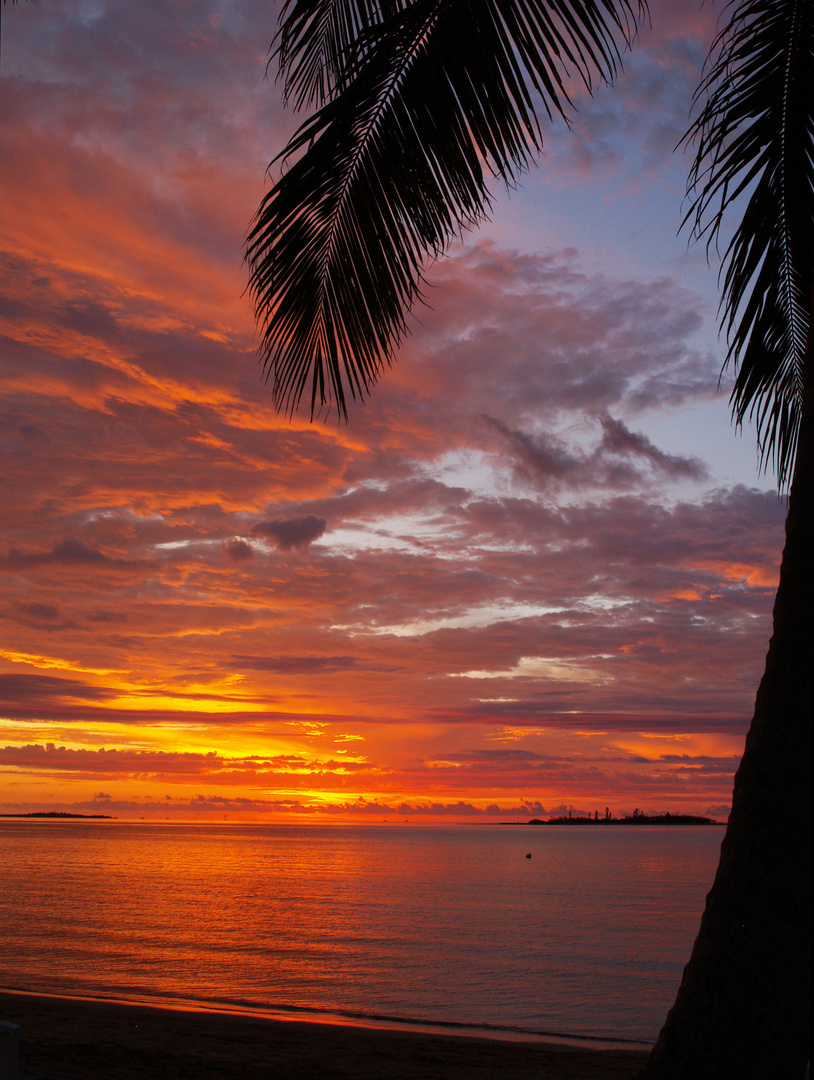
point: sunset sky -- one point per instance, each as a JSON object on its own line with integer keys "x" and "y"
{"x": 535, "y": 571}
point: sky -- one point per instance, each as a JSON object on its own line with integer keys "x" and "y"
{"x": 533, "y": 573}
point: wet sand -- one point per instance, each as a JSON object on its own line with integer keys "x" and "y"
{"x": 96, "y": 1040}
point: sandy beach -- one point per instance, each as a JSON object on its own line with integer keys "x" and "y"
{"x": 79, "y": 1040}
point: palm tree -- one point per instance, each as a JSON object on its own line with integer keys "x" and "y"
{"x": 743, "y": 1008}
{"x": 417, "y": 101}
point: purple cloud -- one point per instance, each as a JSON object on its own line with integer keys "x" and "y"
{"x": 296, "y": 532}
{"x": 238, "y": 550}
{"x": 611, "y": 465}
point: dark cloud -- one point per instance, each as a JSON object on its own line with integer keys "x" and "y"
{"x": 45, "y": 612}
{"x": 39, "y": 616}
{"x": 68, "y": 552}
{"x": 296, "y": 665}
{"x": 701, "y": 764}
{"x": 542, "y": 455}
{"x": 107, "y": 616}
{"x": 554, "y": 710}
{"x": 22, "y": 688}
{"x": 365, "y": 503}
{"x": 73, "y": 550}
{"x": 295, "y": 532}
{"x": 61, "y": 758}
{"x": 618, "y": 439}
{"x": 116, "y": 763}
{"x": 567, "y": 341}
{"x": 238, "y": 550}
{"x": 184, "y": 806}
{"x": 495, "y": 755}
{"x": 556, "y": 564}
{"x": 612, "y": 464}
{"x": 92, "y": 319}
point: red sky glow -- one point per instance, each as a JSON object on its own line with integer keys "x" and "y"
{"x": 534, "y": 572}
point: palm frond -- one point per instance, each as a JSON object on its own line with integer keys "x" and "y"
{"x": 754, "y": 137}
{"x": 318, "y": 41}
{"x": 420, "y": 103}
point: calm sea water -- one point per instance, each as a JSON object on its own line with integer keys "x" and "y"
{"x": 452, "y": 925}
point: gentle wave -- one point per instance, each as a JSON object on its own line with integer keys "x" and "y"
{"x": 448, "y": 928}
{"x": 304, "y": 1014}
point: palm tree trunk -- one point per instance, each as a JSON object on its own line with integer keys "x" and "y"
{"x": 743, "y": 1007}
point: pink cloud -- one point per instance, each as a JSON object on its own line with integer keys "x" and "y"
{"x": 159, "y": 551}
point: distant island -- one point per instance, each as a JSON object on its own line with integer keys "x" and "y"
{"x": 636, "y": 818}
{"x": 60, "y": 814}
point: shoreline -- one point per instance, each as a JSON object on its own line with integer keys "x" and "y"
{"x": 372, "y": 1021}
{"x": 72, "y": 1038}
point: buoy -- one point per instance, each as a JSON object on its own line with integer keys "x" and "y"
{"x": 529, "y": 855}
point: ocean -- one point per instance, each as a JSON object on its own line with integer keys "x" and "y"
{"x": 433, "y": 925}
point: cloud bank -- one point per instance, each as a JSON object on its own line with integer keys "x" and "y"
{"x": 519, "y": 571}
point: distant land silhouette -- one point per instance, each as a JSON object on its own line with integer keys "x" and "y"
{"x": 636, "y": 818}
{"x": 58, "y": 814}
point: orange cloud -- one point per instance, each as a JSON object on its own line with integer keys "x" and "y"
{"x": 492, "y": 586}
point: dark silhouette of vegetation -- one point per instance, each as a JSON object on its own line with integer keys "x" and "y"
{"x": 420, "y": 102}
{"x": 743, "y": 1007}
{"x": 59, "y": 814}
{"x": 634, "y": 819}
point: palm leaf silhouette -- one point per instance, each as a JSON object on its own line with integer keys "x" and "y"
{"x": 420, "y": 104}
{"x": 754, "y": 137}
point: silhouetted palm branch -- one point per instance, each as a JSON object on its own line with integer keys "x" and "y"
{"x": 418, "y": 104}
{"x": 755, "y": 137}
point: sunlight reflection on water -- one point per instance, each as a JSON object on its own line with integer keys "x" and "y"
{"x": 588, "y": 937}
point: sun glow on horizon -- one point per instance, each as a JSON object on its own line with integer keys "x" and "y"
{"x": 521, "y": 576}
